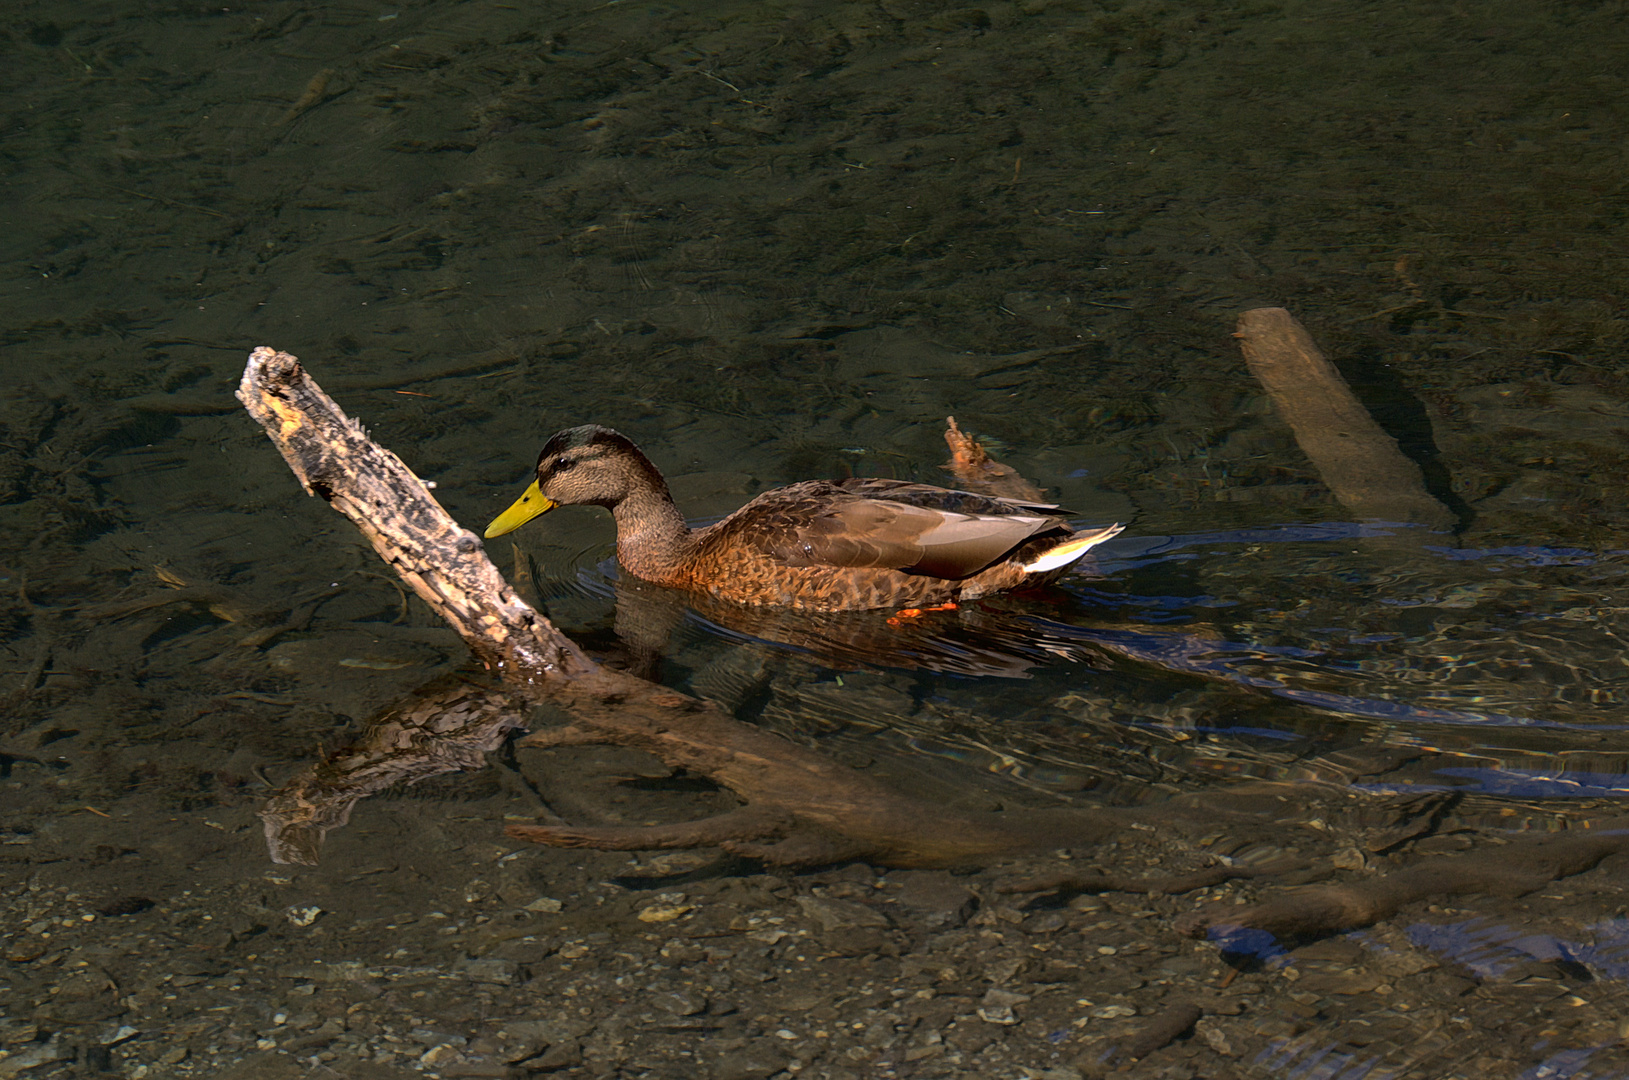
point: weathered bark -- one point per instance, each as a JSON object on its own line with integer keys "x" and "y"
{"x": 1360, "y": 462}
{"x": 801, "y": 807}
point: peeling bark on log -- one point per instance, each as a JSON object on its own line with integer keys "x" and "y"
{"x": 1359, "y": 462}
{"x": 801, "y": 807}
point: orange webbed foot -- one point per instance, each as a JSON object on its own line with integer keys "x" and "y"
{"x": 918, "y": 612}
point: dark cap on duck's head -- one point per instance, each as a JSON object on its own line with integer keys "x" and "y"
{"x": 600, "y": 453}
{"x": 577, "y": 438}
{"x": 582, "y": 466}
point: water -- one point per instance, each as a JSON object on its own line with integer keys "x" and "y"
{"x": 773, "y": 242}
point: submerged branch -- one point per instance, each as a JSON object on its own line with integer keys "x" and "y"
{"x": 1360, "y": 462}
{"x": 1509, "y": 870}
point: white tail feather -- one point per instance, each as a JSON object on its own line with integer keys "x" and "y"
{"x": 1071, "y": 550}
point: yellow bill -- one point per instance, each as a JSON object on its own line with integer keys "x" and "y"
{"x": 532, "y": 503}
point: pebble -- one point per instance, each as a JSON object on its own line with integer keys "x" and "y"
{"x": 660, "y": 913}
{"x": 493, "y": 972}
{"x": 840, "y": 914}
{"x": 52, "y": 1050}
{"x": 17, "y": 1032}
{"x": 303, "y": 916}
{"x": 680, "y": 1003}
{"x": 757, "y": 1060}
{"x": 1047, "y": 923}
{"x": 998, "y": 998}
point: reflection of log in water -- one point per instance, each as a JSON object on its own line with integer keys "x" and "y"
{"x": 986, "y": 640}
{"x": 445, "y": 727}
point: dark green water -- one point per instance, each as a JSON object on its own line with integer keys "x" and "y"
{"x": 773, "y": 242}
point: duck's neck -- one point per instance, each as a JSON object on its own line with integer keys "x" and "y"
{"x": 653, "y": 541}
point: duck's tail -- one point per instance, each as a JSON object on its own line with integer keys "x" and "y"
{"x": 1071, "y": 550}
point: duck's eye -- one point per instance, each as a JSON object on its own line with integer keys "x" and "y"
{"x": 562, "y": 464}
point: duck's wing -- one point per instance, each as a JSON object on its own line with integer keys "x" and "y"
{"x": 911, "y": 527}
{"x": 938, "y": 498}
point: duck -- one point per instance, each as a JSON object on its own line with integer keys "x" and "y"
{"x": 855, "y": 544}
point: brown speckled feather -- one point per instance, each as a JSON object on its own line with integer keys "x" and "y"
{"x": 886, "y": 523}
{"x": 823, "y": 545}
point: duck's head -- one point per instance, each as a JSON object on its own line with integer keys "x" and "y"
{"x": 582, "y": 466}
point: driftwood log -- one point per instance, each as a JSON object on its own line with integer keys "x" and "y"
{"x": 1359, "y": 462}
{"x": 799, "y": 807}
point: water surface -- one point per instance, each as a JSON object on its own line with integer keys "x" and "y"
{"x": 779, "y": 241}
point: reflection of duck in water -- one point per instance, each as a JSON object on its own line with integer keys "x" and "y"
{"x": 842, "y": 545}
{"x": 1000, "y": 637}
